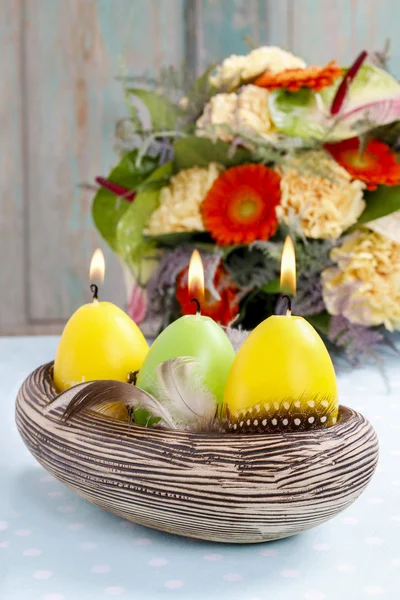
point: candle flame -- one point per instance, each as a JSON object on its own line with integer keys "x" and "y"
{"x": 97, "y": 267}
{"x": 288, "y": 267}
{"x": 196, "y": 277}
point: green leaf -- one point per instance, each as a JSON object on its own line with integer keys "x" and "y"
{"x": 202, "y": 86}
{"x": 199, "y": 94}
{"x": 272, "y": 287}
{"x": 170, "y": 240}
{"x": 321, "y": 322}
{"x": 107, "y": 208}
{"x": 381, "y": 202}
{"x": 164, "y": 115}
{"x": 132, "y": 245}
{"x": 193, "y": 151}
{"x": 306, "y": 114}
{"x": 135, "y": 118}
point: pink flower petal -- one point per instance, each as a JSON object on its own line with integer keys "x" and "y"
{"x": 137, "y": 305}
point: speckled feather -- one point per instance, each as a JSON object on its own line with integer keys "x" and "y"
{"x": 301, "y": 414}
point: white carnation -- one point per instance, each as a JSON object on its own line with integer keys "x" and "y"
{"x": 245, "y": 111}
{"x": 238, "y": 69}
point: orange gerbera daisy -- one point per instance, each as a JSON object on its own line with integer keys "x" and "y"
{"x": 315, "y": 78}
{"x": 240, "y": 206}
{"x": 222, "y": 310}
{"x": 376, "y": 165}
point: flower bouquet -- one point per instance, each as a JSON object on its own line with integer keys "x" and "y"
{"x": 256, "y": 148}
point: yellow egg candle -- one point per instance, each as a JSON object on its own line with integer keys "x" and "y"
{"x": 282, "y": 378}
{"x": 99, "y": 341}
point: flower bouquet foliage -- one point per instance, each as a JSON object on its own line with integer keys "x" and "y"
{"x": 258, "y": 147}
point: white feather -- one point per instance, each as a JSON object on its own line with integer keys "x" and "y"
{"x": 181, "y": 390}
{"x": 181, "y": 399}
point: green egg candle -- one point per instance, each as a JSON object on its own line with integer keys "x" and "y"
{"x": 192, "y": 335}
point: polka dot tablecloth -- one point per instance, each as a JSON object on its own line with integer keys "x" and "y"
{"x": 56, "y": 546}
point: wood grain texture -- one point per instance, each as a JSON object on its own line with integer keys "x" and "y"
{"x": 74, "y": 52}
{"x": 226, "y": 488}
{"x": 225, "y": 27}
{"x": 275, "y": 23}
{"x": 12, "y": 210}
{"x": 340, "y": 29}
{"x": 60, "y": 99}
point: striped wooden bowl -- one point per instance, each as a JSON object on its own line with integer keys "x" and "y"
{"x": 225, "y": 488}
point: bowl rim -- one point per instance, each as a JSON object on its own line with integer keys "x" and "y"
{"x": 345, "y": 415}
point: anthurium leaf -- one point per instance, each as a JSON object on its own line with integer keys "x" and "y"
{"x": 372, "y": 99}
{"x": 164, "y": 115}
{"x": 297, "y": 113}
{"x": 192, "y": 151}
{"x": 381, "y": 202}
{"x": 320, "y": 322}
{"x": 107, "y": 208}
{"x": 131, "y": 243}
{"x": 379, "y": 112}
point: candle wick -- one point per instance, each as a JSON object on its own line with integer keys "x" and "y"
{"x": 95, "y": 290}
{"x": 197, "y": 303}
{"x": 289, "y": 304}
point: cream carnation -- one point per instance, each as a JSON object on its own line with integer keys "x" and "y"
{"x": 180, "y": 201}
{"x": 246, "y": 111}
{"x": 236, "y": 70}
{"x": 365, "y": 284}
{"x": 325, "y": 205}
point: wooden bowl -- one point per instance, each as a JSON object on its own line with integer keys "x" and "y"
{"x": 225, "y": 488}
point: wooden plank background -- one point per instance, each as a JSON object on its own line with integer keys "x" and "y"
{"x": 60, "y": 98}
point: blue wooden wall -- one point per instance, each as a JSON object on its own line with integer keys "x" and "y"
{"x": 59, "y": 100}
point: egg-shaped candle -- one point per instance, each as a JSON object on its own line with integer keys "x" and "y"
{"x": 195, "y": 336}
{"x": 99, "y": 341}
{"x": 282, "y": 378}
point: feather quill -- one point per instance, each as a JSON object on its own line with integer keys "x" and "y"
{"x": 183, "y": 401}
{"x": 96, "y": 395}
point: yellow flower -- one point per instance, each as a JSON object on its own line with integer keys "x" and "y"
{"x": 236, "y": 70}
{"x": 365, "y": 284}
{"x": 324, "y": 205}
{"x": 246, "y": 111}
{"x": 180, "y": 201}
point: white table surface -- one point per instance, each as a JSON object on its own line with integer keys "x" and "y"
{"x": 56, "y": 546}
